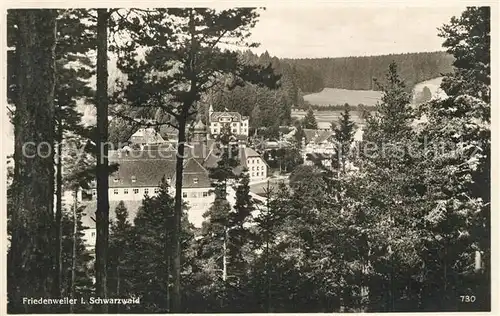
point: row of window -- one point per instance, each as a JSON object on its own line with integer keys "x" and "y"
{"x": 258, "y": 168}
{"x": 257, "y": 174}
{"x": 234, "y": 124}
{"x": 252, "y": 161}
{"x": 195, "y": 194}
{"x": 155, "y": 190}
{"x": 134, "y": 179}
{"x": 234, "y": 131}
{"x": 135, "y": 191}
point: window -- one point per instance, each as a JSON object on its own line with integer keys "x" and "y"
{"x": 234, "y": 124}
{"x": 93, "y": 234}
{"x": 134, "y": 179}
{"x": 146, "y": 191}
{"x": 125, "y": 191}
{"x": 253, "y": 168}
{"x": 234, "y": 130}
{"x": 253, "y": 174}
{"x": 115, "y": 180}
{"x": 94, "y": 192}
{"x": 169, "y": 179}
{"x": 115, "y": 191}
{"x": 195, "y": 180}
{"x": 157, "y": 190}
{"x": 136, "y": 191}
{"x": 257, "y": 168}
{"x": 205, "y": 194}
{"x": 184, "y": 195}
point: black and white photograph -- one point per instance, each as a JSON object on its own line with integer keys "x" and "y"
{"x": 288, "y": 157}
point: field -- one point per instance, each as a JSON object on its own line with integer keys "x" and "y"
{"x": 324, "y": 118}
{"x": 330, "y": 96}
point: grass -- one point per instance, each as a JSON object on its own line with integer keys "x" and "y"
{"x": 331, "y": 96}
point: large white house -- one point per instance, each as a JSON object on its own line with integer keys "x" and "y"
{"x": 140, "y": 173}
{"x": 237, "y": 123}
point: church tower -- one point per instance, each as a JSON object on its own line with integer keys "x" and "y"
{"x": 210, "y": 111}
{"x": 199, "y": 132}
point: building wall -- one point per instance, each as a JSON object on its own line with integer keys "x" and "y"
{"x": 257, "y": 168}
{"x": 198, "y": 199}
{"x": 237, "y": 128}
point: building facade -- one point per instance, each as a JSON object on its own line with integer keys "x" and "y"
{"x": 237, "y": 124}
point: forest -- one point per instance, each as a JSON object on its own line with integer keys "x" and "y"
{"x": 357, "y": 73}
{"x": 402, "y": 229}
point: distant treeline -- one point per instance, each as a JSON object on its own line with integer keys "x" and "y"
{"x": 357, "y": 73}
{"x": 331, "y": 107}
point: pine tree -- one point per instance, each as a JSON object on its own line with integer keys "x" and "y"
{"x": 119, "y": 246}
{"x": 77, "y": 267}
{"x": 148, "y": 273}
{"x": 239, "y": 235}
{"x": 102, "y": 213}
{"x": 202, "y": 60}
{"x": 458, "y": 179}
{"x": 389, "y": 187}
{"x": 309, "y": 121}
{"x": 31, "y": 256}
{"x": 344, "y": 136}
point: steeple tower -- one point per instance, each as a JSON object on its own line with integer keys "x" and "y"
{"x": 199, "y": 132}
{"x": 210, "y": 111}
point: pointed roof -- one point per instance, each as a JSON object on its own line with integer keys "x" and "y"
{"x": 199, "y": 126}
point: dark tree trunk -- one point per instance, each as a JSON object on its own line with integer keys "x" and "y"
{"x": 102, "y": 215}
{"x": 73, "y": 258}
{"x": 168, "y": 260}
{"x": 57, "y": 225}
{"x": 176, "y": 244}
{"x": 31, "y": 257}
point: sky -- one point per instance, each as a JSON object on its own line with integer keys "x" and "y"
{"x": 327, "y": 31}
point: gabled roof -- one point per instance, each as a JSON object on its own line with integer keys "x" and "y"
{"x": 141, "y": 173}
{"x": 323, "y": 136}
{"x": 147, "y": 167}
{"x": 317, "y": 136}
{"x": 235, "y": 116}
{"x": 146, "y": 136}
{"x": 195, "y": 175}
{"x": 243, "y": 154}
{"x": 310, "y": 134}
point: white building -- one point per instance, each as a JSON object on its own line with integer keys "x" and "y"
{"x": 318, "y": 144}
{"x": 140, "y": 173}
{"x": 248, "y": 158}
{"x": 144, "y": 136}
{"x": 237, "y": 123}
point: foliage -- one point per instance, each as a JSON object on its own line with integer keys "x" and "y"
{"x": 343, "y": 137}
{"x": 309, "y": 121}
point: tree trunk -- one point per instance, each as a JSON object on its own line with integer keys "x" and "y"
{"x": 168, "y": 261}
{"x": 224, "y": 256}
{"x": 73, "y": 260}
{"x": 179, "y": 167}
{"x": 58, "y": 226}
{"x": 31, "y": 258}
{"x": 102, "y": 222}
{"x": 118, "y": 284}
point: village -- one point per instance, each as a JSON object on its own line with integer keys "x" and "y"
{"x": 249, "y": 160}
{"x": 149, "y": 156}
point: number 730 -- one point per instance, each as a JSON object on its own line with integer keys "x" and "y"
{"x": 467, "y": 298}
